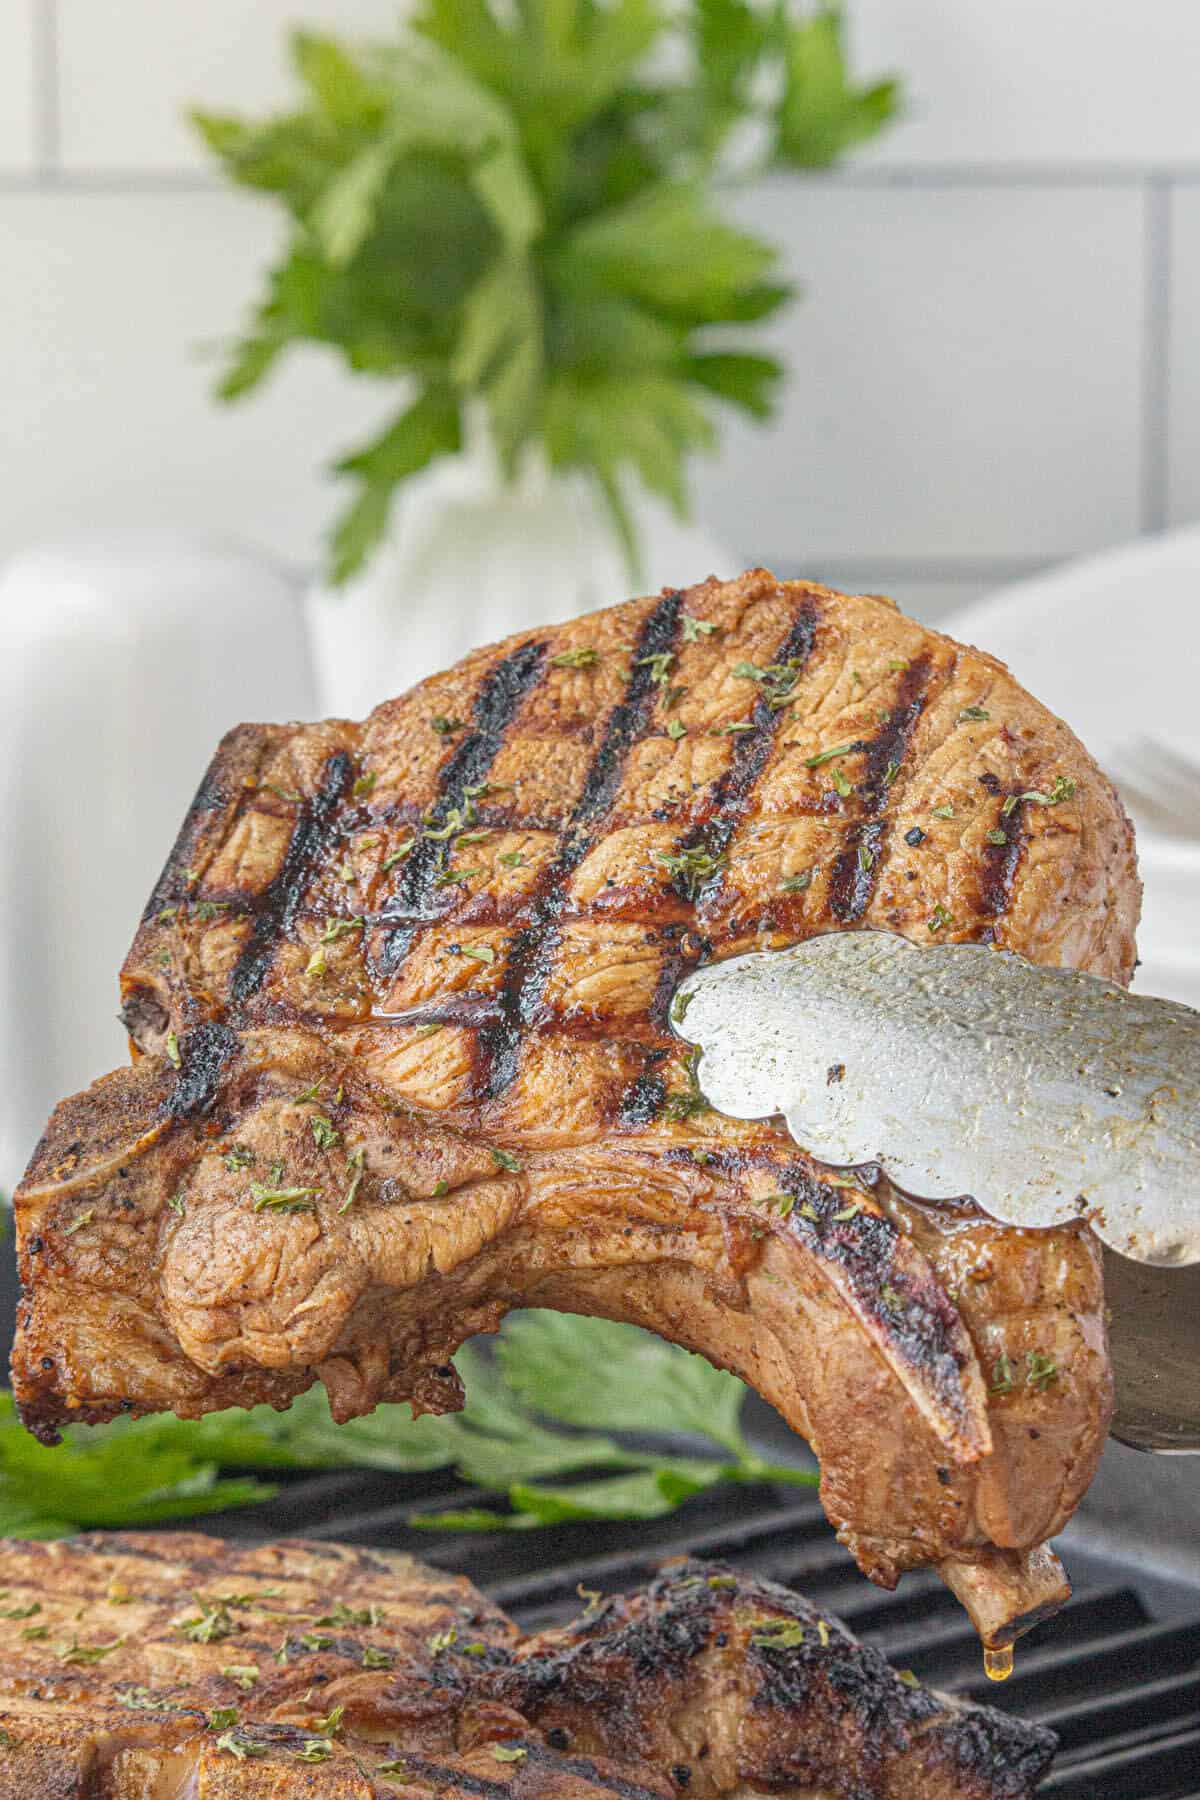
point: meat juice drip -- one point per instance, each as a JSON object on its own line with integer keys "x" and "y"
{"x": 998, "y": 1663}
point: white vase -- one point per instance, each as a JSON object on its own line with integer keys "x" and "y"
{"x": 471, "y": 559}
{"x": 123, "y": 658}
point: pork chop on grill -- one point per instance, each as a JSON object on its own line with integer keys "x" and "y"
{"x": 403, "y": 1060}
{"x": 171, "y": 1666}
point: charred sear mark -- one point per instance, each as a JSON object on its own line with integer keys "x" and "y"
{"x": 203, "y": 1054}
{"x": 443, "y": 1775}
{"x": 853, "y": 877}
{"x": 496, "y": 705}
{"x": 531, "y": 952}
{"x": 1001, "y": 859}
{"x": 918, "y": 1318}
{"x": 312, "y": 838}
{"x": 589, "y": 1771}
{"x": 643, "y": 1099}
{"x": 734, "y": 790}
{"x": 856, "y": 869}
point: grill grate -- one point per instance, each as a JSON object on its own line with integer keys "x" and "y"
{"x": 1116, "y": 1675}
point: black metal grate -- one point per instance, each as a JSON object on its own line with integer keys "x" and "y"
{"x": 1116, "y": 1675}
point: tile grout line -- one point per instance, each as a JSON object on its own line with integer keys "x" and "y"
{"x": 1156, "y": 356}
{"x": 47, "y": 122}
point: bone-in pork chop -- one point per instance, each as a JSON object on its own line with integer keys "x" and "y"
{"x": 403, "y": 1060}
{"x": 170, "y": 1666}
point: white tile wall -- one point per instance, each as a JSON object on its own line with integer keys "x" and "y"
{"x": 129, "y": 69}
{"x": 17, "y": 57}
{"x": 109, "y": 308}
{"x": 958, "y": 357}
{"x": 995, "y": 334}
{"x": 1183, "y": 398}
{"x": 1008, "y": 83}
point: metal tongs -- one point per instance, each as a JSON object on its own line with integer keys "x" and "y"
{"x": 1046, "y": 1095}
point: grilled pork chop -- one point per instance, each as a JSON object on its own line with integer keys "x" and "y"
{"x": 403, "y": 1060}
{"x": 173, "y": 1667}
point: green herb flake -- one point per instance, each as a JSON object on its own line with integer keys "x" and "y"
{"x": 808, "y": 1211}
{"x": 397, "y": 856}
{"x": 1002, "y": 1375}
{"x": 313, "y": 1750}
{"x": 676, "y": 729}
{"x": 896, "y": 664}
{"x": 316, "y": 964}
{"x": 512, "y": 859}
{"x": 330, "y": 1726}
{"x": 729, "y": 729}
{"x": 996, "y": 836}
{"x": 36, "y": 1631}
{"x": 356, "y": 1165}
{"x": 222, "y": 1717}
{"x": 778, "y": 1634}
{"x": 890, "y": 773}
{"x": 1040, "y": 1370}
{"x": 945, "y": 811}
{"x": 238, "y": 1157}
{"x": 719, "y": 1582}
{"x": 429, "y": 1029}
{"x": 582, "y": 658}
{"x": 842, "y": 783}
{"x": 374, "y": 1658}
{"x": 340, "y": 928}
{"x": 796, "y": 884}
{"x": 281, "y": 1199}
{"x": 481, "y": 953}
{"x": 691, "y": 868}
{"x": 866, "y": 858}
{"x": 441, "y": 1188}
{"x": 847, "y": 1213}
{"x": 172, "y": 1048}
{"x": 679, "y": 1006}
{"x": 503, "y": 1159}
{"x": 21, "y": 1612}
{"x": 445, "y": 727}
{"x": 1062, "y": 788}
{"x": 79, "y": 1221}
{"x": 242, "y": 1675}
{"x": 442, "y": 1640}
{"x": 659, "y": 665}
{"x": 364, "y": 786}
{"x": 939, "y": 918}
{"x": 233, "y": 1743}
{"x": 325, "y": 1133}
{"x": 211, "y": 1624}
{"x": 824, "y": 756}
{"x": 696, "y": 628}
{"x": 969, "y": 713}
{"x": 397, "y": 1766}
{"x": 508, "y": 1753}
{"x": 86, "y": 1654}
{"x": 892, "y": 1298}
{"x": 907, "y": 1677}
{"x": 141, "y": 1699}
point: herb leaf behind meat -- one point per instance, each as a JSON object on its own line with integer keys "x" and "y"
{"x": 536, "y": 1429}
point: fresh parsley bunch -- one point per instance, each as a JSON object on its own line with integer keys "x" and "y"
{"x": 518, "y": 205}
{"x": 538, "y": 1431}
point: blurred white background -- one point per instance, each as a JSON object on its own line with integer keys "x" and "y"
{"x": 999, "y": 295}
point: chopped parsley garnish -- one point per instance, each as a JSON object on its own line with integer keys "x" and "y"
{"x": 445, "y": 727}
{"x": 696, "y": 628}
{"x": 939, "y": 918}
{"x": 21, "y": 1612}
{"x": 374, "y": 1658}
{"x": 582, "y": 658}
{"x": 79, "y": 1221}
{"x": 841, "y": 782}
{"x": 428, "y": 1029}
{"x": 847, "y": 1212}
{"x": 281, "y": 1199}
{"x": 233, "y": 1743}
{"x": 731, "y": 727}
{"x": 504, "y": 1159}
{"x": 316, "y": 964}
{"x": 172, "y": 1048}
{"x": 996, "y": 836}
{"x": 356, "y": 1164}
{"x": 778, "y": 1634}
{"x": 676, "y": 729}
{"x": 243, "y": 1675}
{"x": 75, "y": 1652}
{"x": 389, "y": 862}
{"x": 350, "y": 1615}
{"x": 973, "y": 712}
{"x": 1062, "y": 788}
{"x": 690, "y": 1101}
{"x": 1041, "y": 1370}
{"x": 313, "y": 1750}
{"x": 512, "y": 859}
{"x": 896, "y": 663}
{"x": 1002, "y": 1375}
{"x": 441, "y": 1187}
{"x": 363, "y": 786}
{"x": 692, "y": 868}
{"x": 325, "y": 1132}
{"x": 238, "y": 1157}
{"x": 679, "y": 1006}
{"x": 824, "y": 756}
{"x": 796, "y": 884}
{"x": 340, "y": 928}
{"x": 508, "y": 1752}
{"x": 659, "y": 665}
{"x": 866, "y": 858}
{"x": 442, "y": 1640}
{"x": 945, "y": 811}
{"x": 177, "y": 1204}
{"x": 222, "y": 1717}
{"x": 482, "y": 953}
{"x": 213, "y": 1623}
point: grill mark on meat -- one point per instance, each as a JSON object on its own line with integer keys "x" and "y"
{"x": 531, "y": 953}
{"x": 734, "y": 790}
{"x": 643, "y": 1099}
{"x": 917, "y": 1317}
{"x": 589, "y": 1770}
{"x": 856, "y": 868}
{"x": 1000, "y": 862}
{"x": 310, "y": 840}
{"x": 495, "y": 707}
{"x": 458, "y": 1778}
{"x": 203, "y": 1053}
